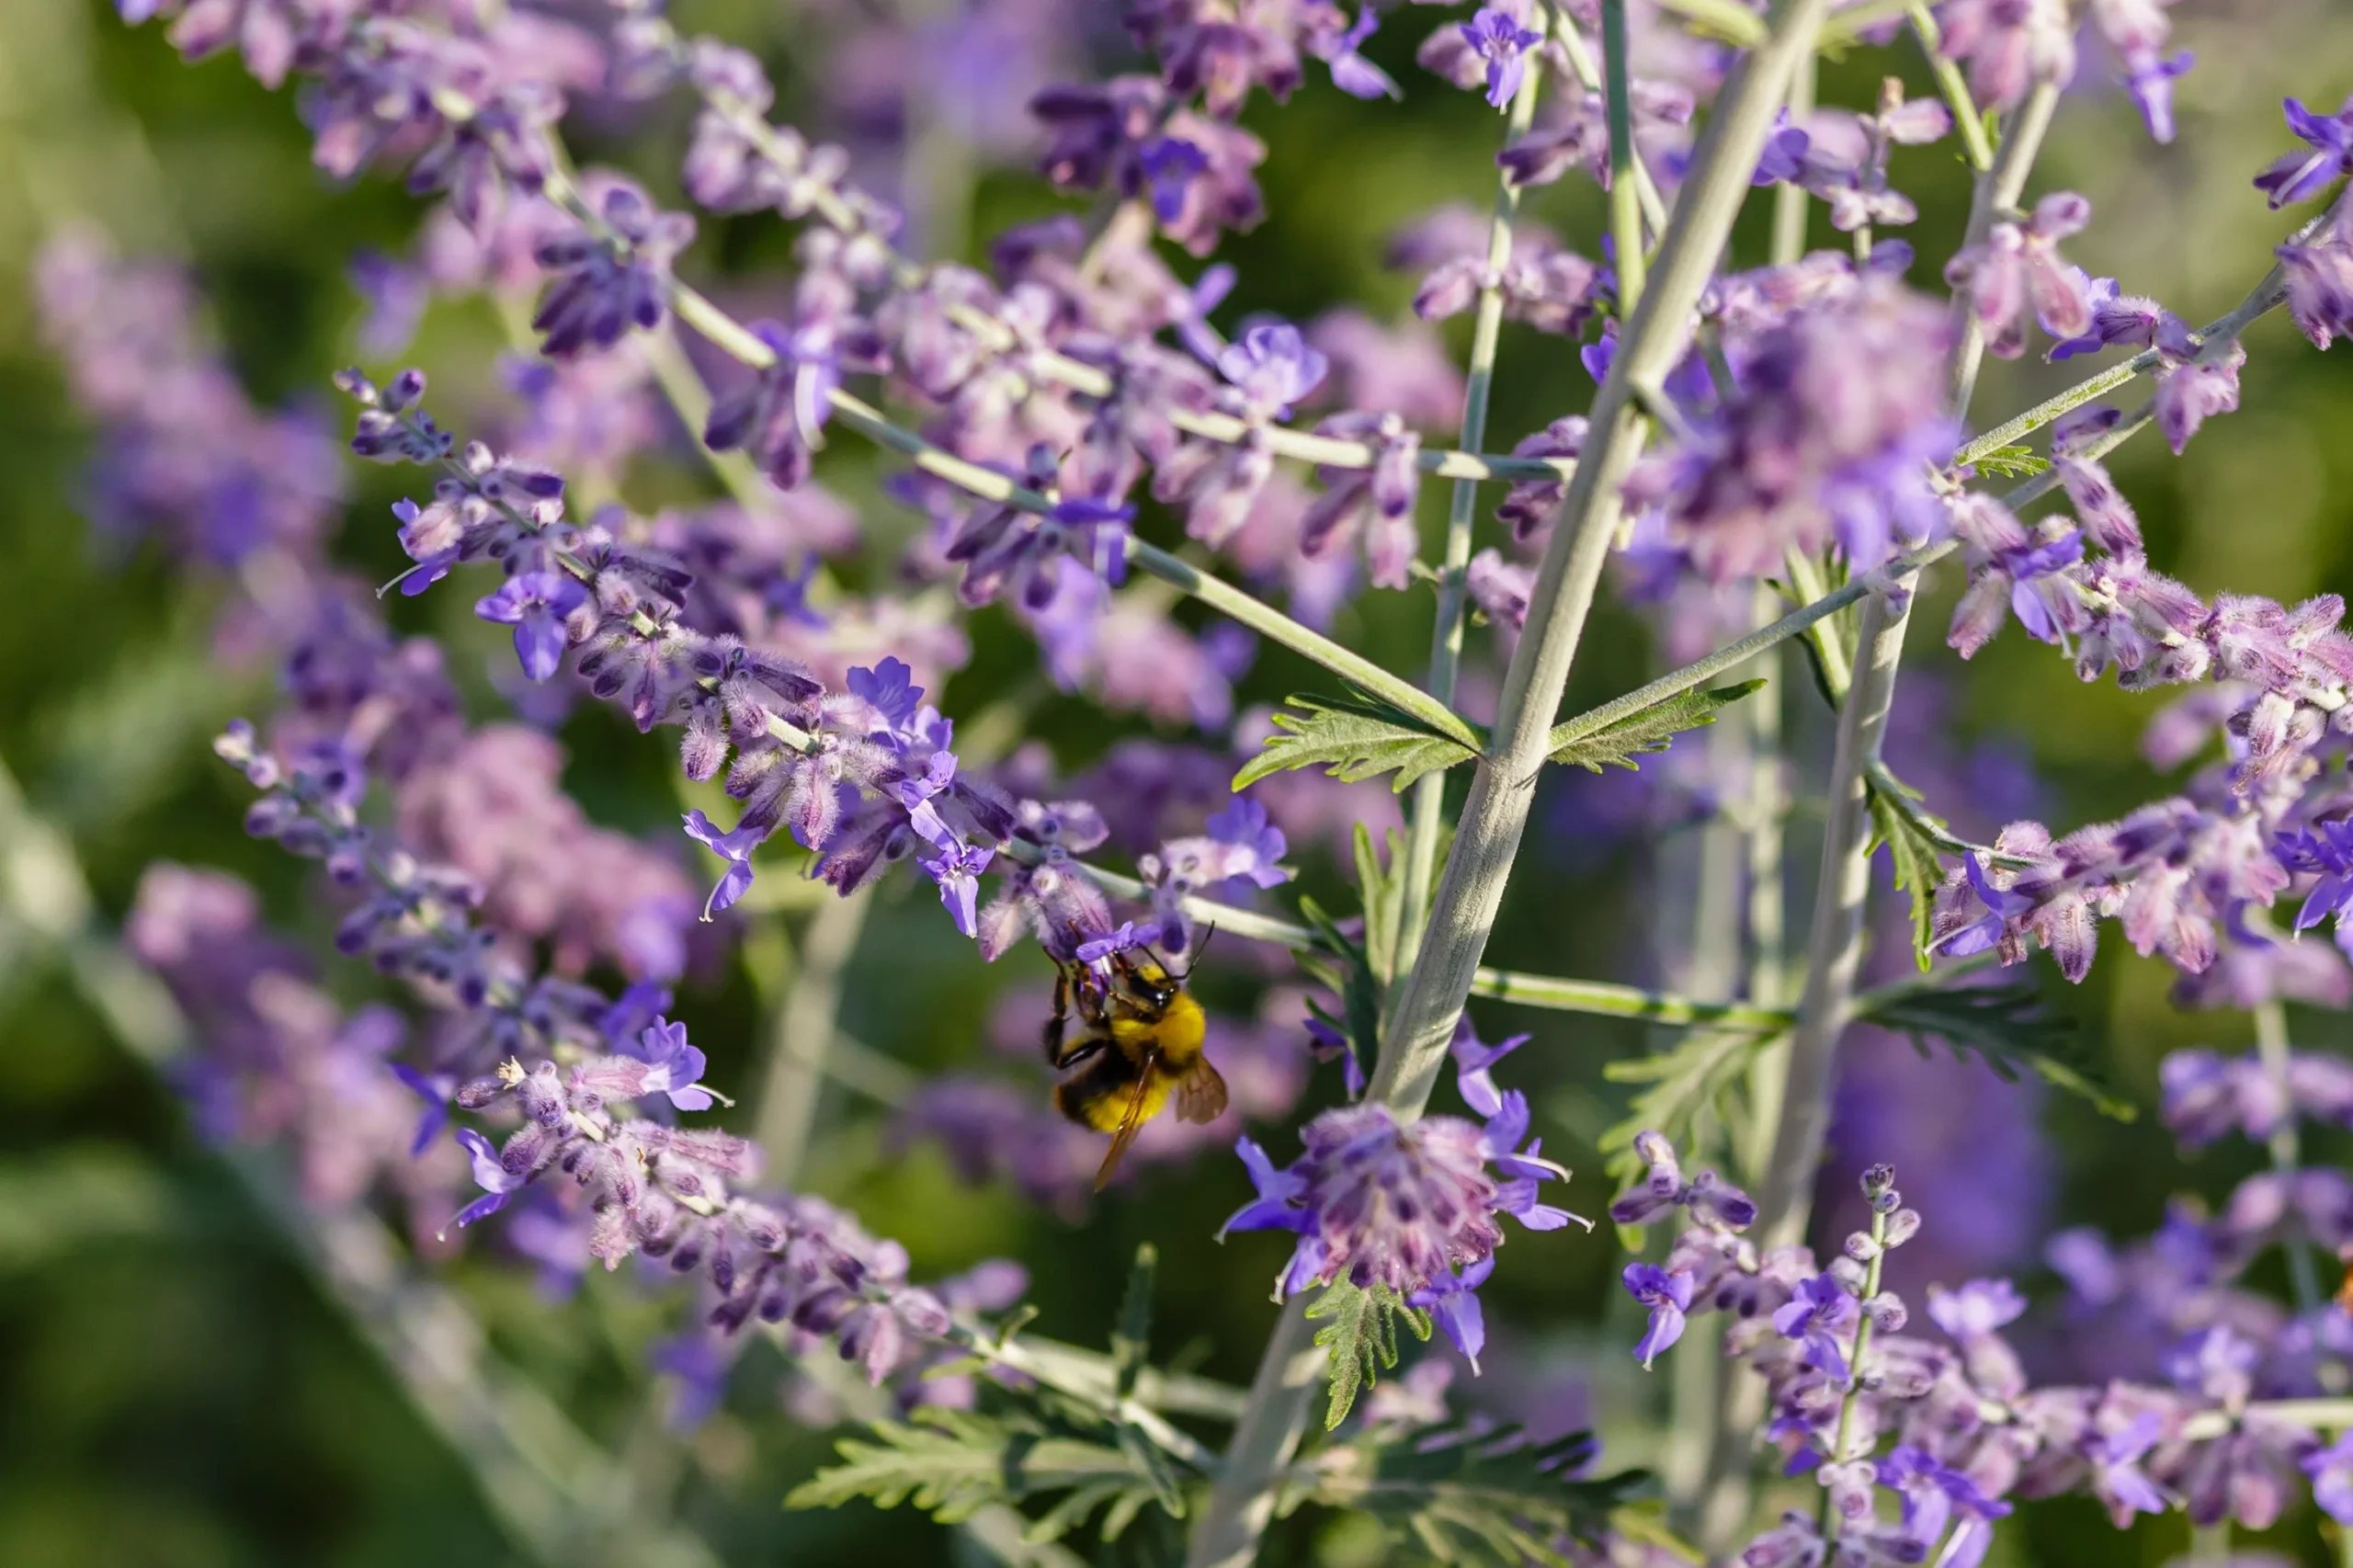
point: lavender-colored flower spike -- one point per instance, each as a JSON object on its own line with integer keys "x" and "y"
{"x": 1496, "y": 36}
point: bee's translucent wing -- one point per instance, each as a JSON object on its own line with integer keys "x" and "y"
{"x": 1201, "y": 1093}
{"x": 1129, "y": 1124}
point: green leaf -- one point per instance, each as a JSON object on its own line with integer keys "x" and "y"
{"x": 951, "y": 1463}
{"x": 2009, "y": 1028}
{"x": 1349, "y": 973}
{"x": 2011, "y": 462}
{"x": 1383, "y": 888}
{"x": 1688, "y": 1084}
{"x": 1359, "y": 1336}
{"x": 1913, "y": 840}
{"x": 1616, "y": 744}
{"x": 1355, "y": 739}
{"x": 1478, "y": 1494}
{"x": 1131, "y": 1340}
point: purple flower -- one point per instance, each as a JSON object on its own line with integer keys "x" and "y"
{"x": 1471, "y": 1061}
{"x": 1170, "y": 165}
{"x": 1666, "y": 1297}
{"x": 2018, "y": 267}
{"x": 498, "y": 1183}
{"x": 678, "y": 1067}
{"x": 735, "y": 847}
{"x": 1096, "y": 951}
{"x": 1377, "y": 1202}
{"x": 2195, "y": 380}
{"x": 1522, "y": 1169}
{"x": 1351, "y": 71}
{"x": 889, "y": 688}
{"x": 607, "y": 282}
{"x": 535, "y": 604}
{"x": 1495, "y": 36}
{"x": 2149, "y": 76}
{"x": 434, "y": 1089}
{"x": 2300, "y": 176}
{"x": 1981, "y": 1306}
{"x": 2117, "y": 1476}
{"x": 1820, "y": 1311}
{"x": 956, "y": 867}
{"x": 1274, "y": 366}
{"x": 2320, "y": 285}
{"x": 778, "y": 416}
{"x": 2325, "y": 848}
{"x": 2116, "y": 318}
{"x": 2002, "y": 906}
{"x": 2332, "y": 1472}
{"x": 1453, "y": 1302}
{"x": 1711, "y": 1202}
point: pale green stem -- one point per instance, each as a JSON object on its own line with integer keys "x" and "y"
{"x": 1829, "y": 639}
{"x": 683, "y": 387}
{"x": 1427, "y": 817}
{"x": 1835, "y": 952}
{"x": 1625, "y": 202}
{"x": 1728, "y": 19}
{"x": 1827, "y": 1518}
{"x": 2287, "y": 1152}
{"x": 1595, "y": 997}
{"x": 1588, "y": 76}
{"x": 803, "y": 1021}
{"x": 1471, "y": 889}
{"x": 1845, "y": 29}
{"x": 1954, "y": 86}
{"x": 1789, "y": 200}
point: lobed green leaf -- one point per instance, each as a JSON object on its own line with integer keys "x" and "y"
{"x": 1353, "y": 740}
{"x": 1647, "y": 730}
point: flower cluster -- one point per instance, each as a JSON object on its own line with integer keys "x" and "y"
{"x": 1411, "y": 1208}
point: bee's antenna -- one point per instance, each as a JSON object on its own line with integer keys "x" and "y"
{"x": 1201, "y": 948}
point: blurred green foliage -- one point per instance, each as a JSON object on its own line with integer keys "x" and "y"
{"x": 176, "y": 1390}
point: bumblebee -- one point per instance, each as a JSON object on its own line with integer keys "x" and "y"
{"x": 1140, "y": 1043}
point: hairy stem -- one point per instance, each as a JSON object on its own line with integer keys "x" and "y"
{"x": 1428, "y": 814}
{"x": 1954, "y": 86}
{"x": 1625, "y": 202}
{"x": 1588, "y": 76}
{"x": 1834, "y": 949}
{"x": 1471, "y": 889}
{"x": 1828, "y": 1518}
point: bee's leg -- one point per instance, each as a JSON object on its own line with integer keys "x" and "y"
{"x": 1058, "y": 1022}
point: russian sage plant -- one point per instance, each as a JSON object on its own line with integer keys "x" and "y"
{"x": 1780, "y": 447}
